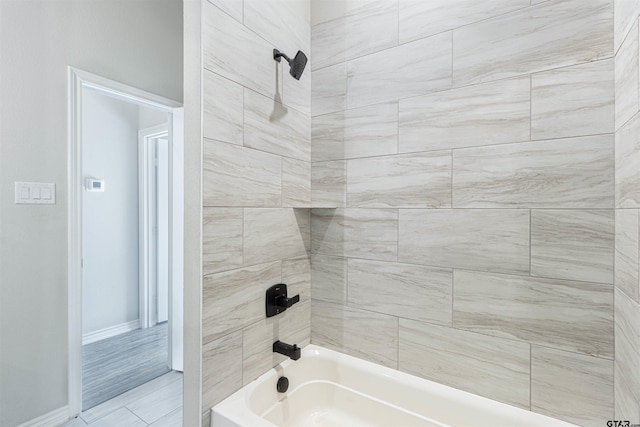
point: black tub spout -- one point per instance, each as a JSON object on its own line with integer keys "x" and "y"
{"x": 292, "y": 351}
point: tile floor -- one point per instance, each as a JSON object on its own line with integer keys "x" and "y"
{"x": 157, "y": 403}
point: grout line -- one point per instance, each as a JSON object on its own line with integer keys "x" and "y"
{"x": 419, "y": 38}
{"x": 462, "y": 269}
{"x": 135, "y": 415}
{"x": 471, "y": 85}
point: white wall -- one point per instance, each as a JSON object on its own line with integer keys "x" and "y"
{"x": 135, "y": 42}
{"x": 110, "y": 219}
{"x": 148, "y": 117}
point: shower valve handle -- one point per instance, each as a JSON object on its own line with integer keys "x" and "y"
{"x": 283, "y": 301}
{"x": 277, "y": 300}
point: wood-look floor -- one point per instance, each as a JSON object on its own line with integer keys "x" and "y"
{"x": 115, "y": 365}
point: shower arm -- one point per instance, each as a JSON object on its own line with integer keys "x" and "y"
{"x": 277, "y": 55}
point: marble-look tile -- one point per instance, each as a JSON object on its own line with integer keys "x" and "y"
{"x": 296, "y": 274}
{"x": 273, "y": 127}
{"x": 571, "y": 387}
{"x": 159, "y": 403}
{"x": 358, "y": 233}
{"x": 293, "y": 327}
{"x": 328, "y": 232}
{"x": 221, "y": 369}
{"x": 173, "y": 419}
{"x": 329, "y": 278}
{"x": 240, "y": 176}
{"x": 222, "y": 39}
{"x": 421, "y": 180}
{"x": 488, "y": 366}
{"x": 567, "y": 173}
{"x": 297, "y": 93}
{"x": 628, "y": 164}
{"x": 627, "y": 244}
{"x": 296, "y": 183}
{"x": 303, "y": 218}
{"x": 232, "y": 7}
{"x": 403, "y": 290}
{"x": 360, "y": 132}
{"x": 548, "y": 35}
{"x": 484, "y": 239}
{"x": 121, "y": 418}
{"x": 340, "y": 328}
{"x": 235, "y": 299}
{"x": 221, "y": 239}
{"x": 286, "y": 25}
{"x": 627, "y": 361}
{"x": 411, "y": 69}
{"x": 573, "y": 244}
{"x": 573, "y": 101}
{"x": 329, "y": 184}
{"x": 329, "y": 89}
{"x": 349, "y": 36}
{"x": 419, "y": 18}
{"x": 627, "y": 406}
{"x": 574, "y": 316}
{"x": 281, "y": 23}
{"x": 326, "y": 10}
{"x": 627, "y": 79}
{"x": 223, "y": 109}
{"x": 273, "y": 234}
{"x": 372, "y": 234}
{"x": 491, "y": 113}
{"x": 625, "y": 13}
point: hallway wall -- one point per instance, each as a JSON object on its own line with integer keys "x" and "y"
{"x": 137, "y": 43}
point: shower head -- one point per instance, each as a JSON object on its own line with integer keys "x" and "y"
{"x": 296, "y": 65}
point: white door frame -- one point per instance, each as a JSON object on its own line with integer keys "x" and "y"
{"x": 78, "y": 80}
{"x": 148, "y": 266}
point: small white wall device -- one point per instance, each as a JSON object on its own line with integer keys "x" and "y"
{"x": 95, "y": 185}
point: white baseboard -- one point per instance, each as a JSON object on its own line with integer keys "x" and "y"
{"x": 110, "y": 332}
{"x": 54, "y": 418}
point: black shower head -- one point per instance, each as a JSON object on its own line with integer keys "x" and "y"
{"x": 296, "y": 65}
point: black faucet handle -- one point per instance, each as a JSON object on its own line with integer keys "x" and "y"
{"x": 277, "y": 300}
{"x": 283, "y": 301}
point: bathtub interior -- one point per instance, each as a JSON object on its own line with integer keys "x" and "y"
{"x": 330, "y": 388}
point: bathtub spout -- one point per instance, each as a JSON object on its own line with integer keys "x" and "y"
{"x": 292, "y": 351}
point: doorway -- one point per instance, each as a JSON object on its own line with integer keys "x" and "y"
{"x": 125, "y": 239}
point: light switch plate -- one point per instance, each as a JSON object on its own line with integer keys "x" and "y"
{"x": 35, "y": 193}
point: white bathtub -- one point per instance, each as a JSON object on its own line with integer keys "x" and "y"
{"x": 327, "y": 388}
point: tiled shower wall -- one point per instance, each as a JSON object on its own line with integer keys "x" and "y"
{"x": 627, "y": 199}
{"x": 463, "y": 175}
{"x": 256, "y": 188}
